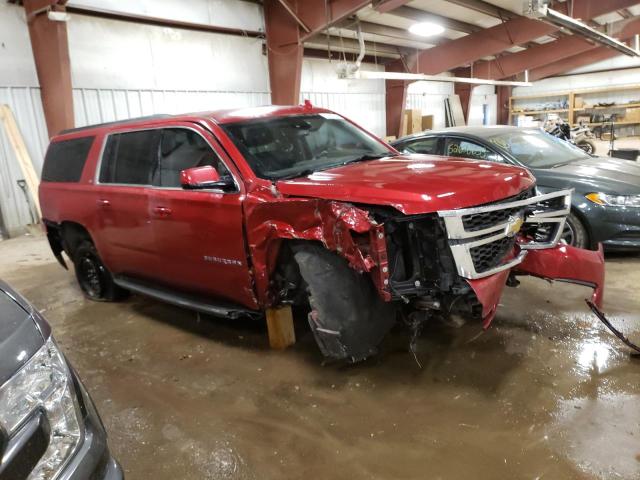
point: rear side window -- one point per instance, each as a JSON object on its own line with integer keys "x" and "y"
{"x": 65, "y": 160}
{"x": 130, "y": 158}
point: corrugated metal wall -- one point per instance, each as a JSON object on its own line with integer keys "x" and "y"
{"x": 366, "y": 109}
{"x": 27, "y": 108}
{"x": 101, "y": 105}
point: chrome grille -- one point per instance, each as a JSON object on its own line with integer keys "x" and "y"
{"x": 480, "y": 221}
{"x": 482, "y": 239}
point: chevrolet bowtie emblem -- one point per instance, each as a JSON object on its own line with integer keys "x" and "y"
{"x": 514, "y": 224}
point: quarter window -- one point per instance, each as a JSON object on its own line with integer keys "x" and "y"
{"x": 130, "y": 158}
{"x": 65, "y": 160}
{"x": 427, "y": 146}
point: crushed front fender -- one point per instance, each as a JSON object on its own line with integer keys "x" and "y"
{"x": 565, "y": 263}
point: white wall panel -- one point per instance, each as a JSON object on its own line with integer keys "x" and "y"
{"x": 108, "y": 54}
{"x": 17, "y": 67}
{"x": 225, "y": 13}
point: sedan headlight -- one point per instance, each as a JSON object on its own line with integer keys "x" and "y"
{"x": 614, "y": 200}
{"x": 44, "y": 383}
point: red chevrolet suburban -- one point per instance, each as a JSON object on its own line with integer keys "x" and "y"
{"x": 237, "y": 211}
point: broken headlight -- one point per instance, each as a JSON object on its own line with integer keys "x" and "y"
{"x": 44, "y": 383}
{"x": 615, "y": 200}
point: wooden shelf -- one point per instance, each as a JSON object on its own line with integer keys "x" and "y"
{"x": 572, "y": 110}
{"x": 538, "y": 112}
{"x": 615, "y": 124}
{"x": 610, "y": 107}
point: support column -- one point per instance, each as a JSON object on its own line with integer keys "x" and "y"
{"x": 464, "y": 91}
{"x": 396, "y": 99}
{"x": 284, "y": 54}
{"x": 503, "y": 93}
{"x": 51, "y": 53}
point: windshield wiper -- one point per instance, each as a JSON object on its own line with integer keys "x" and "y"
{"x": 301, "y": 173}
{"x": 370, "y": 156}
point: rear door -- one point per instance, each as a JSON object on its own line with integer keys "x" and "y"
{"x": 198, "y": 234}
{"x": 123, "y": 222}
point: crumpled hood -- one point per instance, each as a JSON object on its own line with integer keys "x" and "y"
{"x": 413, "y": 184}
{"x": 603, "y": 174}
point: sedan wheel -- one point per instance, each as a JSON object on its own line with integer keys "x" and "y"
{"x": 574, "y": 232}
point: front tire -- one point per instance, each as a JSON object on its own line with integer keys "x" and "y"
{"x": 575, "y": 233}
{"x": 348, "y": 318}
{"x": 95, "y": 280}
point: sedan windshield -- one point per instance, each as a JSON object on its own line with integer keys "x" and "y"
{"x": 537, "y": 149}
{"x": 297, "y": 145}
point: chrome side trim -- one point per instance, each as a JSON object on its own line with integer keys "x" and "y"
{"x": 461, "y": 240}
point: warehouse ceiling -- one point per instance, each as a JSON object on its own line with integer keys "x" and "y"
{"x": 385, "y": 28}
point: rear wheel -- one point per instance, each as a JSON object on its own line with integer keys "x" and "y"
{"x": 588, "y": 146}
{"x": 575, "y": 233}
{"x": 348, "y": 318}
{"x": 95, "y": 280}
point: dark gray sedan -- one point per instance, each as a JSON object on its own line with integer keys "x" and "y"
{"x": 49, "y": 427}
{"x": 606, "y": 201}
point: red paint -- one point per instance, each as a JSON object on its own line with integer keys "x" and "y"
{"x": 568, "y": 264}
{"x": 194, "y": 177}
{"x": 488, "y": 290}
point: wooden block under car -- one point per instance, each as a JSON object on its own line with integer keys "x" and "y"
{"x": 280, "y": 327}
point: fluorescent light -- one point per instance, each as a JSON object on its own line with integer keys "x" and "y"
{"x": 539, "y": 9}
{"x": 371, "y": 75}
{"x": 426, "y": 29}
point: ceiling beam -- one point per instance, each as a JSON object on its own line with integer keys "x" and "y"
{"x": 485, "y": 8}
{"x": 541, "y": 55}
{"x": 318, "y": 15}
{"x": 417, "y": 15}
{"x": 351, "y": 45}
{"x": 567, "y": 64}
{"x": 385, "y": 6}
{"x": 390, "y": 32}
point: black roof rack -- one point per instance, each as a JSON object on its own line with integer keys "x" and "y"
{"x": 117, "y": 122}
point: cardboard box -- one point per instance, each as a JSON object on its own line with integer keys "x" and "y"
{"x": 427, "y": 122}
{"x": 578, "y": 102}
{"x": 632, "y": 115}
{"x": 413, "y": 121}
{"x": 583, "y": 119}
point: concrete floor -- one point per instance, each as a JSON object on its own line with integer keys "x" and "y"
{"x": 546, "y": 393}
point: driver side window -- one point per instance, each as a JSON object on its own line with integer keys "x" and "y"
{"x": 457, "y": 147}
{"x": 181, "y": 148}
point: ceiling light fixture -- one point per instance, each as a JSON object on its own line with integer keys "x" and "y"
{"x": 426, "y": 29}
{"x": 373, "y": 75}
{"x": 539, "y": 9}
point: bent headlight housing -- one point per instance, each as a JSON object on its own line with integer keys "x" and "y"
{"x": 614, "y": 200}
{"x": 44, "y": 383}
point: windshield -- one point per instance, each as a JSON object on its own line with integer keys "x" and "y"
{"x": 537, "y": 149}
{"x": 297, "y": 145}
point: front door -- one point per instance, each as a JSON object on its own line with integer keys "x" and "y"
{"x": 198, "y": 234}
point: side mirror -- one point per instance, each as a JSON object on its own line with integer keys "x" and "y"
{"x": 199, "y": 178}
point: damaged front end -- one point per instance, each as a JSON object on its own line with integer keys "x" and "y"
{"x": 451, "y": 264}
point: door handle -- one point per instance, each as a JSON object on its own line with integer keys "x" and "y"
{"x": 103, "y": 203}
{"x": 162, "y": 211}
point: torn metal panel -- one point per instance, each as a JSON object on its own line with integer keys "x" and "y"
{"x": 565, "y": 263}
{"x": 488, "y": 290}
{"x": 340, "y": 227}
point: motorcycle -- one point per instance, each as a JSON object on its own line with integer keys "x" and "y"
{"x": 580, "y": 135}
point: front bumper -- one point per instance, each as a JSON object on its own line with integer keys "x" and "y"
{"x": 614, "y": 227}
{"x": 562, "y": 263}
{"x": 92, "y": 459}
